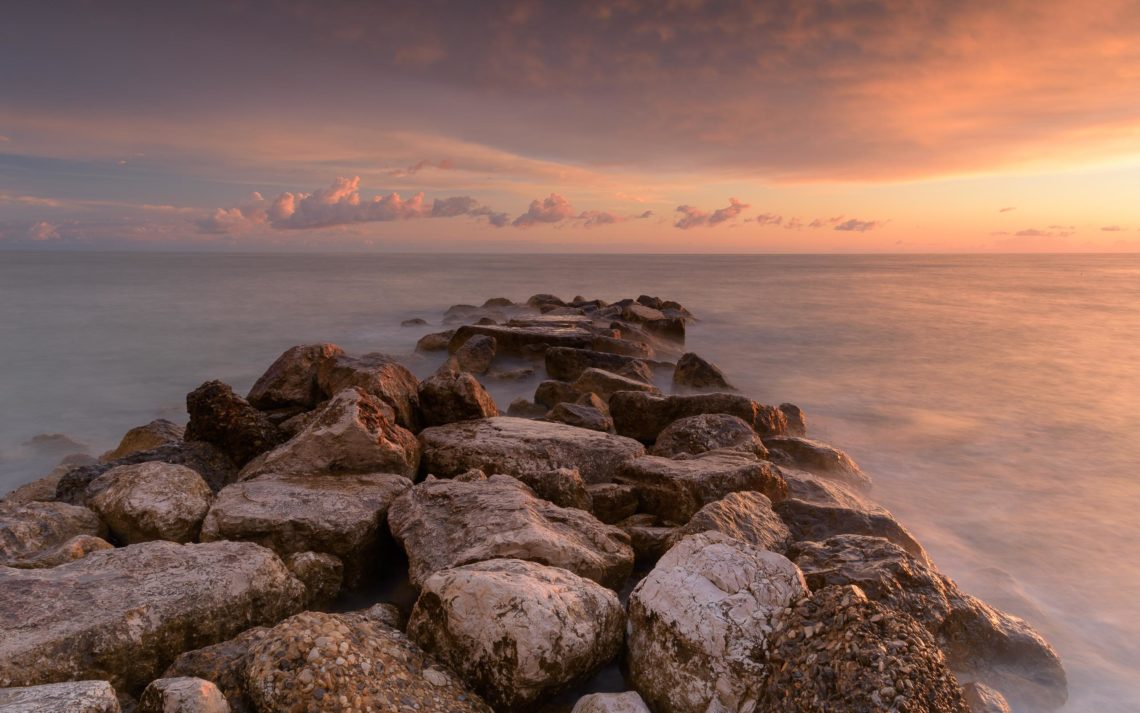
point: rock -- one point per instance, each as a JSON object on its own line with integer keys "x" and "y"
{"x": 810, "y": 521}
{"x": 159, "y": 432}
{"x": 605, "y": 383}
{"x": 292, "y": 379}
{"x": 517, "y": 631}
{"x": 674, "y": 490}
{"x": 527, "y": 340}
{"x": 525, "y": 408}
{"x": 376, "y": 374}
{"x": 151, "y": 501}
{"x": 649, "y": 540}
{"x": 224, "y": 664}
{"x": 339, "y": 662}
{"x": 693, "y": 372}
{"x": 435, "y": 342}
{"x": 29, "y": 530}
{"x": 39, "y": 490}
{"x": 982, "y": 699}
{"x": 342, "y": 515}
{"x": 55, "y": 443}
{"x": 518, "y": 374}
{"x": 694, "y": 435}
{"x": 550, "y": 393}
{"x": 612, "y": 502}
{"x": 628, "y": 702}
{"x": 214, "y": 466}
{"x": 562, "y": 486}
{"x": 71, "y": 697}
{"x": 795, "y": 418}
{"x": 518, "y": 445}
{"x": 414, "y": 322}
{"x": 822, "y": 491}
{"x": 124, "y": 614}
{"x": 77, "y": 547}
{"x": 639, "y": 313}
{"x": 566, "y": 364}
{"x": 746, "y": 516}
{"x": 544, "y": 300}
{"x": 225, "y": 420}
{"x": 624, "y": 347}
{"x": 818, "y": 458}
{"x": 581, "y": 416}
{"x": 476, "y": 354}
{"x": 643, "y": 416}
{"x": 836, "y": 650}
{"x": 497, "y": 302}
{"x": 454, "y": 396}
{"x": 698, "y": 624}
{"x": 321, "y": 573}
{"x": 182, "y": 695}
{"x": 445, "y": 523}
{"x": 387, "y": 614}
{"x": 352, "y": 433}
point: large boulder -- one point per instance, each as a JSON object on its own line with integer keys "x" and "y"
{"x": 123, "y": 615}
{"x": 223, "y": 419}
{"x": 628, "y": 702}
{"x": 813, "y": 488}
{"x": 694, "y": 435}
{"x": 606, "y": 383}
{"x": 582, "y": 415}
{"x": 291, "y": 381}
{"x": 224, "y": 664}
{"x": 454, "y": 396}
{"x": 159, "y": 432}
{"x": 699, "y": 622}
{"x": 376, "y": 374}
{"x": 69, "y": 697}
{"x": 476, "y": 354}
{"x": 675, "y": 489}
{"x": 517, "y": 631}
{"x": 215, "y": 467}
{"x": 352, "y": 433}
{"x": 747, "y": 516}
{"x": 29, "y": 530}
{"x": 566, "y": 364}
{"x": 151, "y": 501}
{"x": 182, "y": 695}
{"x": 820, "y": 458}
{"x": 812, "y": 521}
{"x": 448, "y": 523}
{"x": 693, "y": 372}
{"x": 340, "y": 662}
{"x": 518, "y": 445}
{"x": 643, "y": 416}
{"x": 435, "y": 342}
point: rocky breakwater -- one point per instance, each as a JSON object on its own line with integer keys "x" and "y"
{"x": 638, "y": 514}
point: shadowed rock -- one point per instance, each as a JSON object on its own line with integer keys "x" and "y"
{"x": 565, "y": 364}
{"x": 643, "y": 416}
{"x": 225, "y": 420}
{"x": 454, "y": 396}
{"x": 811, "y": 521}
{"x": 291, "y": 381}
{"x": 214, "y": 466}
{"x": 693, "y": 372}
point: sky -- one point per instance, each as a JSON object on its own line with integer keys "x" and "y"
{"x": 626, "y": 126}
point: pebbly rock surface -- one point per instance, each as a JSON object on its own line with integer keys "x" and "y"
{"x": 342, "y": 515}
{"x": 291, "y": 381}
{"x": 812, "y": 521}
{"x": 182, "y": 695}
{"x": 378, "y": 375}
{"x": 70, "y": 697}
{"x": 818, "y": 458}
{"x": 215, "y": 467}
{"x": 518, "y": 445}
{"x": 159, "y": 432}
{"x": 353, "y": 433}
{"x": 643, "y": 416}
{"x": 628, "y": 702}
{"x": 694, "y": 435}
{"x": 699, "y": 624}
{"x": 476, "y": 354}
{"x": 449, "y": 523}
{"x": 517, "y": 631}
{"x": 349, "y": 662}
{"x": 225, "y": 420}
{"x": 746, "y": 516}
{"x": 224, "y": 664}
{"x": 31, "y": 530}
{"x": 693, "y": 372}
{"x": 151, "y": 501}
{"x": 567, "y": 364}
{"x": 454, "y": 396}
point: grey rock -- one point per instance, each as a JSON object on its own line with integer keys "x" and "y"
{"x": 70, "y": 697}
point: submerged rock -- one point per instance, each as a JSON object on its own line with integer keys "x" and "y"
{"x": 151, "y": 501}
{"x": 454, "y": 396}
{"x": 31, "y": 530}
{"x": 693, "y": 372}
{"x": 378, "y": 375}
{"x": 159, "y": 432}
{"x": 818, "y": 458}
{"x": 182, "y": 695}
{"x": 225, "y": 420}
{"x": 746, "y": 516}
{"x": 694, "y": 435}
{"x": 70, "y": 697}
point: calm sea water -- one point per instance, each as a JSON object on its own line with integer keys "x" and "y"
{"x": 996, "y": 399}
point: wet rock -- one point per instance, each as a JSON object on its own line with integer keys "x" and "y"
{"x": 525, "y": 408}
{"x": 674, "y": 490}
{"x": 818, "y": 458}
{"x": 342, "y": 515}
{"x": 337, "y": 662}
{"x": 29, "y": 530}
{"x": 182, "y": 695}
{"x": 550, "y": 393}
{"x": 159, "y": 432}
{"x": 581, "y": 416}
{"x": 811, "y": 521}
{"x": 352, "y": 433}
{"x": 517, "y": 631}
{"x": 77, "y": 547}
{"x": 476, "y": 354}
{"x": 225, "y": 420}
{"x": 612, "y": 502}
{"x": 694, "y": 435}
{"x": 151, "y": 501}
{"x": 224, "y": 664}
{"x": 628, "y": 702}
{"x": 414, "y": 322}
{"x": 517, "y": 445}
{"x": 123, "y": 615}
{"x": 321, "y": 573}
{"x": 982, "y": 699}
{"x": 795, "y": 418}
{"x": 292, "y": 379}
{"x": 70, "y": 697}
{"x": 746, "y": 516}
{"x": 562, "y": 486}
{"x": 605, "y": 383}
{"x": 435, "y": 342}
{"x": 445, "y": 523}
{"x": 214, "y": 466}
{"x": 643, "y": 416}
{"x": 565, "y": 364}
{"x": 693, "y": 372}
{"x": 454, "y": 396}
{"x": 376, "y": 374}
{"x": 698, "y": 623}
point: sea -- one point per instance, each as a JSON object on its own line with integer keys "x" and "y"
{"x": 995, "y": 399}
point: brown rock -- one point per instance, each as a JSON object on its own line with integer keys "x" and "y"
{"x": 581, "y": 416}
{"x": 694, "y": 435}
{"x": 550, "y": 393}
{"x": 746, "y": 516}
{"x": 693, "y": 372}
{"x": 182, "y": 695}
{"x": 70, "y": 697}
{"x": 321, "y": 573}
{"x": 214, "y": 466}
{"x": 643, "y": 416}
{"x": 811, "y": 521}
{"x": 436, "y": 342}
{"x": 376, "y": 374}
{"x": 795, "y": 418}
{"x": 612, "y": 502}
{"x": 476, "y": 354}
{"x": 224, "y": 664}
{"x": 151, "y": 501}
{"x": 562, "y": 486}
{"x": 605, "y": 383}
{"x": 225, "y": 420}
{"x": 454, "y": 396}
{"x": 34, "y": 529}
{"x": 566, "y": 364}
{"x": 292, "y": 379}
{"x": 159, "y": 432}
{"x": 818, "y": 458}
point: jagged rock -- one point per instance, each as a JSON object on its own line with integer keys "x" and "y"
{"x": 836, "y": 650}
{"x": 159, "y": 432}
{"x": 525, "y": 408}
{"x": 376, "y": 374}
{"x": 342, "y": 515}
{"x": 225, "y": 420}
{"x": 694, "y": 435}
{"x": 796, "y": 419}
{"x": 123, "y": 615}
{"x": 674, "y": 490}
{"x": 581, "y": 416}
{"x": 612, "y": 502}
{"x": 643, "y": 416}
{"x": 606, "y": 383}
{"x": 215, "y": 467}
{"x": 818, "y": 458}
{"x": 352, "y": 433}
{"x": 292, "y": 379}
{"x": 693, "y": 372}
{"x": 30, "y": 530}
{"x": 77, "y": 547}
{"x": 445, "y": 523}
{"x": 562, "y": 486}
{"x": 435, "y": 342}
{"x": 811, "y": 521}
{"x": 747, "y": 516}
{"x": 151, "y": 501}
{"x": 550, "y": 393}
{"x": 628, "y": 702}
{"x": 337, "y": 662}
{"x": 698, "y": 623}
{"x": 476, "y": 354}
{"x": 982, "y": 699}
{"x": 224, "y": 664}
{"x": 454, "y": 396}
{"x": 321, "y": 573}
{"x": 566, "y": 364}
{"x": 182, "y": 695}
{"x": 516, "y": 631}
{"x": 518, "y": 445}
{"x": 70, "y": 697}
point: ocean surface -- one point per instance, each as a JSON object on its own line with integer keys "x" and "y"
{"x": 994, "y": 399}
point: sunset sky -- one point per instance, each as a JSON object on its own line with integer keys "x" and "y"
{"x": 674, "y": 126}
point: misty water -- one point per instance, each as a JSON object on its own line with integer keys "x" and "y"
{"x": 994, "y": 399}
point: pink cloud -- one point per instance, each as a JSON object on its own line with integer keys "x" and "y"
{"x": 692, "y": 217}
{"x": 43, "y": 231}
{"x": 553, "y": 209}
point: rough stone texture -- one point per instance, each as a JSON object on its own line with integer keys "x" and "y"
{"x": 818, "y": 458}
{"x": 446, "y": 523}
{"x": 525, "y": 408}
{"x": 698, "y": 624}
{"x": 563, "y": 486}
{"x": 70, "y": 697}
{"x": 224, "y": 664}
{"x": 77, "y": 547}
{"x": 612, "y": 502}
{"x": 435, "y": 342}
{"x": 694, "y": 435}
{"x": 566, "y": 364}
{"x": 39, "y": 490}
{"x": 628, "y": 702}
{"x": 649, "y": 539}
{"x": 674, "y": 490}
{"x": 292, "y": 379}
{"x": 321, "y": 573}
{"x": 643, "y": 416}
{"x": 215, "y": 467}
{"x": 516, "y": 631}
{"x": 352, "y": 433}
{"x": 342, "y": 515}
{"x": 983, "y": 699}
{"x": 518, "y": 445}
{"x": 838, "y": 651}
{"x": 340, "y": 662}
{"x": 151, "y": 501}
{"x": 182, "y": 695}
{"x": 812, "y": 488}
{"x": 476, "y": 354}
{"x": 550, "y": 393}
{"x": 747, "y": 516}
{"x": 159, "y": 432}
{"x": 796, "y": 419}
{"x": 123, "y": 615}
{"x": 525, "y": 340}
{"x": 28, "y": 530}
{"x": 379, "y": 375}
{"x": 225, "y": 420}
{"x": 606, "y": 383}
{"x": 581, "y": 416}
{"x": 693, "y": 372}
{"x": 811, "y": 521}
{"x": 454, "y": 396}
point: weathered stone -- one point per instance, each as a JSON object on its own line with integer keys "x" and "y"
{"x": 643, "y": 416}
{"x": 693, "y": 372}
{"x": 224, "y": 664}
{"x": 747, "y": 516}
{"x": 321, "y": 573}
{"x": 70, "y": 697}
{"x": 151, "y": 501}
{"x": 518, "y": 445}
{"x": 544, "y": 300}
{"x": 811, "y": 521}
{"x": 476, "y": 354}
{"x": 123, "y": 615}
{"x": 525, "y": 340}
{"x": 28, "y": 530}
{"x": 565, "y": 364}
{"x": 605, "y": 383}
{"x": 550, "y": 393}
{"x": 983, "y": 699}
{"x": 698, "y": 624}
{"x": 525, "y": 408}
{"x": 77, "y": 547}
{"x": 225, "y": 420}
{"x": 454, "y": 396}
{"x": 182, "y": 695}
{"x": 445, "y": 523}
{"x": 435, "y": 342}
{"x": 819, "y": 458}
{"x": 628, "y": 702}
{"x": 637, "y": 312}
{"x": 159, "y": 432}
{"x": 517, "y": 631}
{"x": 581, "y": 416}
{"x": 612, "y": 502}
{"x": 795, "y": 418}
{"x": 562, "y": 486}
{"x": 292, "y": 379}
{"x": 649, "y": 540}
{"x": 694, "y": 435}
{"x": 215, "y": 467}
{"x": 376, "y": 374}
{"x": 812, "y": 488}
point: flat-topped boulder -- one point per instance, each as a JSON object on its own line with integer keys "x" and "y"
{"x": 291, "y": 381}
{"x": 151, "y": 501}
{"x": 746, "y": 516}
{"x": 377, "y": 374}
{"x": 643, "y": 416}
{"x": 820, "y": 458}
{"x": 68, "y": 697}
{"x": 123, "y": 615}
{"x": 29, "y": 530}
{"x": 694, "y": 435}
{"x": 225, "y": 420}
{"x": 567, "y": 364}
{"x": 518, "y": 445}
